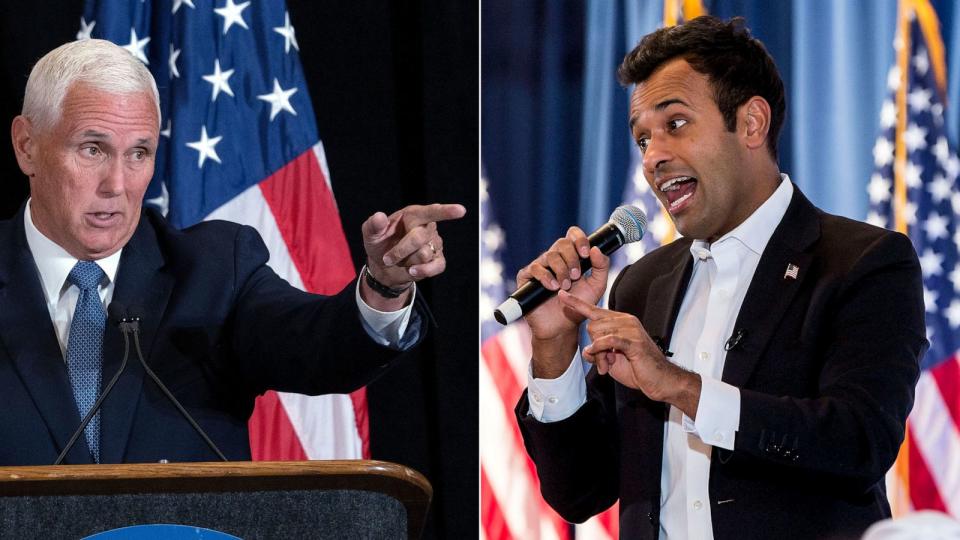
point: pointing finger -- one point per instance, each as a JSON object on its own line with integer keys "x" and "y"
{"x": 585, "y": 309}
{"x": 416, "y": 215}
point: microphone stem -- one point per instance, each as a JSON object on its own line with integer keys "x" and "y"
{"x": 96, "y": 406}
{"x": 196, "y": 427}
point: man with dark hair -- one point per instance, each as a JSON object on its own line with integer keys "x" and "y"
{"x": 751, "y": 380}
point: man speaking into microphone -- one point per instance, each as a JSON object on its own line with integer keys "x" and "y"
{"x": 751, "y": 380}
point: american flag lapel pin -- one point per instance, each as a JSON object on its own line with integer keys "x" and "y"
{"x": 791, "y": 272}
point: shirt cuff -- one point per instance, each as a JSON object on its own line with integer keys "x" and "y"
{"x": 552, "y": 400}
{"x": 385, "y": 327}
{"x": 718, "y": 414}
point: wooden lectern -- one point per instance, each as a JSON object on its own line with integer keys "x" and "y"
{"x": 288, "y": 499}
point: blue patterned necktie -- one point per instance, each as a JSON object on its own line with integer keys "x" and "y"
{"x": 85, "y": 346}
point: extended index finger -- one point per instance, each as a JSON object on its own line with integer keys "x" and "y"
{"x": 417, "y": 215}
{"x": 582, "y": 307}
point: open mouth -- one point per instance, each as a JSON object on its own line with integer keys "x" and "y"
{"x": 679, "y": 191}
{"x": 103, "y": 219}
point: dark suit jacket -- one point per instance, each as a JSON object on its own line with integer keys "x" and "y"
{"x": 219, "y": 328}
{"x": 826, "y": 370}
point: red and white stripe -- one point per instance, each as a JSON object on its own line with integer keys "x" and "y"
{"x": 296, "y": 213}
{"x": 510, "y": 500}
{"x": 934, "y": 440}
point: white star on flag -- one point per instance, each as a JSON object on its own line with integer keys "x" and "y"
{"x": 910, "y": 213}
{"x": 955, "y": 278}
{"x": 878, "y": 189}
{"x": 911, "y": 175}
{"x": 172, "y": 61}
{"x": 232, "y": 14}
{"x": 288, "y": 33}
{"x": 936, "y": 110}
{"x": 936, "y": 226}
{"x": 953, "y": 313}
{"x": 162, "y": 201}
{"x": 942, "y": 151}
{"x": 178, "y": 3}
{"x": 874, "y": 218}
{"x": 888, "y": 114}
{"x": 491, "y": 272}
{"x": 85, "y": 29}
{"x": 882, "y": 152}
{"x": 166, "y": 132}
{"x": 893, "y": 78}
{"x": 939, "y": 188}
{"x": 931, "y": 263}
{"x": 206, "y": 147}
{"x": 219, "y": 80}
{"x": 279, "y": 100}
{"x": 493, "y": 238}
{"x": 915, "y": 137}
{"x": 136, "y": 46}
{"x": 921, "y": 61}
{"x": 930, "y": 299}
{"x": 919, "y": 99}
{"x": 952, "y": 168}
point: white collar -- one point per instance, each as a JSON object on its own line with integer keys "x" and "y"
{"x": 756, "y": 230}
{"x": 54, "y": 263}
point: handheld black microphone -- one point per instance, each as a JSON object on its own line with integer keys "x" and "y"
{"x": 116, "y": 313}
{"x": 627, "y": 224}
{"x": 135, "y": 315}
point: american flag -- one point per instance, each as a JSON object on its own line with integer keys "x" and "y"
{"x": 511, "y": 506}
{"x": 914, "y": 190}
{"x": 239, "y": 142}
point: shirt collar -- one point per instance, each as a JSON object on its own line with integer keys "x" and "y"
{"x": 54, "y": 263}
{"x": 756, "y": 230}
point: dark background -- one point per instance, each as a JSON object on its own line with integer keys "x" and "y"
{"x": 395, "y": 89}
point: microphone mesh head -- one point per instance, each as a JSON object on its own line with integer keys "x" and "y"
{"x": 631, "y": 221}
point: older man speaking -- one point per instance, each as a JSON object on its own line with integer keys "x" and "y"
{"x": 219, "y": 327}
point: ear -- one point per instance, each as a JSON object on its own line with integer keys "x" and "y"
{"x": 24, "y": 144}
{"x": 754, "y": 117}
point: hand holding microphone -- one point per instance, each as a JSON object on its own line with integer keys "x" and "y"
{"x": 568, "y": 259}
{"x": 562, "y": 267}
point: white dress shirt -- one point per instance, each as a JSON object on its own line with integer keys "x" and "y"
{"x": 54, "y": 264}
{"x": 721, "y": 276}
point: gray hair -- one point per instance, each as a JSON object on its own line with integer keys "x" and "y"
{"x": 95, "y": 62}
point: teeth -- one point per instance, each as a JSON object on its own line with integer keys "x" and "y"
{"x": 677, "y": 202}
{"x": 671, "y": 185}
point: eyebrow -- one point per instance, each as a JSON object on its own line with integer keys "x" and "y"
{"x": 660, "y": 107}
{"x": 93, "y": 134}
{"x": 101, "y": 136}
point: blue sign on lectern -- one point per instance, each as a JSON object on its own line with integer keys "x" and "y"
{"x": 165, "y": 532}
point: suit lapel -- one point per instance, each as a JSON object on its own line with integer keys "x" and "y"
{"x": 771, "y": 291}
{"x": 665, "y": 296}
{"x": 30, "y": 341}
{"x": 141, "y": 282}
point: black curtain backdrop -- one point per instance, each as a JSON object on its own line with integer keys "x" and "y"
{"x": 395, "y": 89}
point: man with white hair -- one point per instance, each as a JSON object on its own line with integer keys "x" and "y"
{"x": 219, "y": 327}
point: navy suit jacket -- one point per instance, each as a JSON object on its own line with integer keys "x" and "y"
{"x": 219, "y": 328}
{"x": 826, "y": 368}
